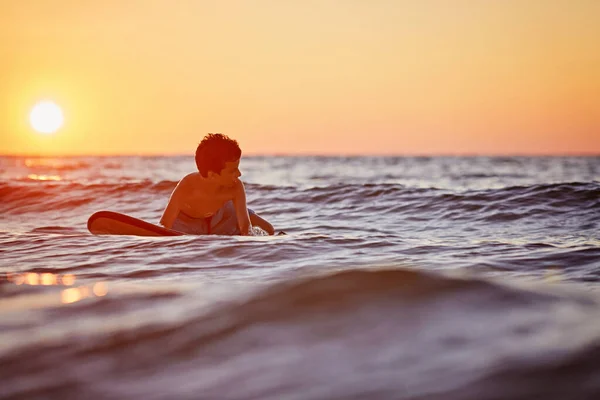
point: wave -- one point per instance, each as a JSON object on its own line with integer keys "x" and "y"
{"x": 490, "y": 205}
{"x": 60, "y": 230}
{"x": 518, "y": 202}
{"x": 393, "y": 333}
{"x": 40, "y": 196}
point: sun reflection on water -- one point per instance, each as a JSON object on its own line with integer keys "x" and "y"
{"x": 48, "y": 279}
{"x": 36, "y": 177}
{"x": 68, "y": 279}
{"x": 32, "y": 279}
{"x": 44, "y": 162}
{"x": 68, "y": 295}
{"x": 100, "y": 289}
{"x": 18, "y": 279}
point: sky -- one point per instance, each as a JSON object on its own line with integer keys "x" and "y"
{"x": 343, "y": 77}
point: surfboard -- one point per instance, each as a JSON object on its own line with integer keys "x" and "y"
{"x": 114, "y": 223}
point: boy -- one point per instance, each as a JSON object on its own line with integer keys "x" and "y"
{"x": 213, "y": 200}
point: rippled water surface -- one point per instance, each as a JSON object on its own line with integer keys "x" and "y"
{"x": 400, "y": 277}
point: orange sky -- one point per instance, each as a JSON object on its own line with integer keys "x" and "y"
{"x": 320, "y": 76}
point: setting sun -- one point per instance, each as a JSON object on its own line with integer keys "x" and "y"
{"x": 46, "y": 117}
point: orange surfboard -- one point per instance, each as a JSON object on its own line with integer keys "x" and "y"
{"x": 113, "y": 223}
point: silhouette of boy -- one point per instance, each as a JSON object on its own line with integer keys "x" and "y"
{"x": 213, "y": 200}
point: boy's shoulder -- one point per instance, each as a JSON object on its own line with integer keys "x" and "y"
{"x": 194, "y": 181}
{"x": 189, "y": 182}
{"x": 192, "y": 177}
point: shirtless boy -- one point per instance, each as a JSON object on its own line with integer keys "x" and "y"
{"x": 213, "y": 200}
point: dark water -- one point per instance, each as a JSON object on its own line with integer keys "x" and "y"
{"x": 400, "y": 278}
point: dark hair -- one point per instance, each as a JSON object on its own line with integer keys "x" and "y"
{"x": 214, "y": 151}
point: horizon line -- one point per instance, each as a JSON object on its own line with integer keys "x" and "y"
{"x": 310, "y": 154}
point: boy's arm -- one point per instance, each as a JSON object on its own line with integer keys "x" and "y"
{"x": 172, "y": 209}
{"x": 239, "y": 202}
{"x": 256, "y": 220}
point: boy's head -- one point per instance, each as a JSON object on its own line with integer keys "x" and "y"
{"x": 214, "y": 151}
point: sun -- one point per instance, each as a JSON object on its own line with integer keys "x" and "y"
{"x": 46, "y": 117}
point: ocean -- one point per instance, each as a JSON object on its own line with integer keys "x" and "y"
{"x": 399, "y": 278}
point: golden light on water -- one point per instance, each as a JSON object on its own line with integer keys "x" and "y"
{"x": 32, "y": 278}
{"x": 35, "y": 177}
{"x": 68, "y": 280}
{"x": 75, "y": 294}
{"x": 68, "y": 295}
{"x": 100, "y": 289}
{"x": 19, "y": 279}
{"x": 48, "y": 279}
{"x": 43, "y": 162}
{"x": 45, "y": 278}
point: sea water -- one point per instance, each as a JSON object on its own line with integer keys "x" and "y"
{"x": 399, "y": 278}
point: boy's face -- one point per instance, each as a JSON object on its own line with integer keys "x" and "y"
{"x": 229, "y": 173}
